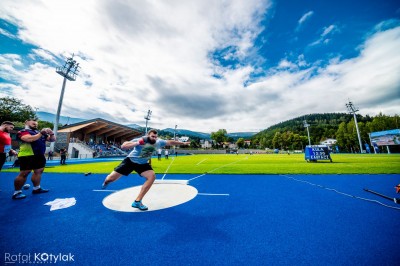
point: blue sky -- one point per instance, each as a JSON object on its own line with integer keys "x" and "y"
{"x": 325, "y": 29}
{"x": 203, "y": 64}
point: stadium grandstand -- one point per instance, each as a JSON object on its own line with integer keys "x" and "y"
{"x": 94, "y": 138}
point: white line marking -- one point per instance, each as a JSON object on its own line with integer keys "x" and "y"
{"x": 216, "y": 169}
{"x": 168, "y": 168}
{"x": 104, "y": 190}
{"x": 226, "y": 165}
{"x": 196, "y": 177}
{"x": 211, "y": 194}
{"x": 201, "y": 161}
{"x": 339, "y": 192}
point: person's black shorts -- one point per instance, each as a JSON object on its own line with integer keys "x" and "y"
{"x": 127, "y": 166}
{"x": 32, "y": 162}
{"x": 2, "y": 159}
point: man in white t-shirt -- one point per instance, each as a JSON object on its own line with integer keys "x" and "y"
{"x": 138, "y": 161}
{"x": 159, "y": 151}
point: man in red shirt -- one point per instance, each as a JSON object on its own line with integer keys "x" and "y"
{"x": 5, "y": 141}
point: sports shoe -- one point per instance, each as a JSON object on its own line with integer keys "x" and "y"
{"x": 26, "y": 186}
{"x": 19, "y": 195}
{"x": 39, "y": 191}
{"x": 104, "y": 186}
{"x": 139, "y": 205}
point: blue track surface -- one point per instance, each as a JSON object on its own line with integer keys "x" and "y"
{"x": 265, "y": 220}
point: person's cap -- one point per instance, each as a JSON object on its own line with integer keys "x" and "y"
{"x": 31, "y": 119}
{"x": 7, "y": 123}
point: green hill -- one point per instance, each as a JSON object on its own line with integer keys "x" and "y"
{"x": 322, "y": 126}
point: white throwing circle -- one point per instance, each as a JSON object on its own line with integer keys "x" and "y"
{"x": 160, "y": 196}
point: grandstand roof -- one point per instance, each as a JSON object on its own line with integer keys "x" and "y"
{"x": 101, "y": 126}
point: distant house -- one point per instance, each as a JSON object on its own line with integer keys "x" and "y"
{"x": 229, "y": 145}
{"x": 328, "y": 142}
{"x": 206, "y": 144}
{"x": 183, "y": 139}
{"x": 232, "y": 145}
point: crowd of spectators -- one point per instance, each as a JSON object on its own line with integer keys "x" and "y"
{"x": 106, "y": 149}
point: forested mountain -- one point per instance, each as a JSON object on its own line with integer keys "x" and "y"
{"x": 292, "y": 134}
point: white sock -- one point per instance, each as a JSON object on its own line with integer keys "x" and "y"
{"x": 17, "y": 191}
{"x": 37, "y": 187}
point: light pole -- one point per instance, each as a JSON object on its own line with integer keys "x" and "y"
{"x": 147, "y": 117}
{"x": 308, "y": 132}
{"x": 175, "y": 137}
{"x": 352, "y": 109}
{"x": 69, "y": 71}
{"x": 175, "y": 132}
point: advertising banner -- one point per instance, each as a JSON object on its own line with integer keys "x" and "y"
{"x": 388, "y": 137}
{"x": 314, "y": 153}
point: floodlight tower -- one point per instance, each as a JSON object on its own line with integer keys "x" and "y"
{"x": 69, "y": 71}
{"x": 308, "y": 132}
{"x": 175, "y": 132}
{"x": 352, "y": 110}
{"x": 175, "y": 136}
{"x": 147, "y": 117}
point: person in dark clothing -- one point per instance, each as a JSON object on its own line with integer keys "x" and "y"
{"x": 31, "y": 156}
{"x": 63, "y": 154}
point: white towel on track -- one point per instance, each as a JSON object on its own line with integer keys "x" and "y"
{"x": 61, "y": 203}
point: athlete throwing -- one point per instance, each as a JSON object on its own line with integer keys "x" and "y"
{"x": 138, "y": 161}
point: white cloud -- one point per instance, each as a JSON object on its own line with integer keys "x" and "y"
{"x": 285, "y": 64}
{"x": 7, "y": 34}
{"x": 305, "y": 17}
{"x": 301, "y": 62}
{"x": 40, "y": 54}
{"x": 326, "y": 32}
{"x": 140, "y": 55}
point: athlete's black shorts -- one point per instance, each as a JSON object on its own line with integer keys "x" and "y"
{"x": 127, "y": 166}
{"x": 31, "y": 162}
{"x": 2, "y": 159}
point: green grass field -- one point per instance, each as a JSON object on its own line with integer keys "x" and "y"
{"x": 254, "y": 164}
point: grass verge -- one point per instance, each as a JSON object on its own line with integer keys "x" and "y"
{"x": 253, "y": 164}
